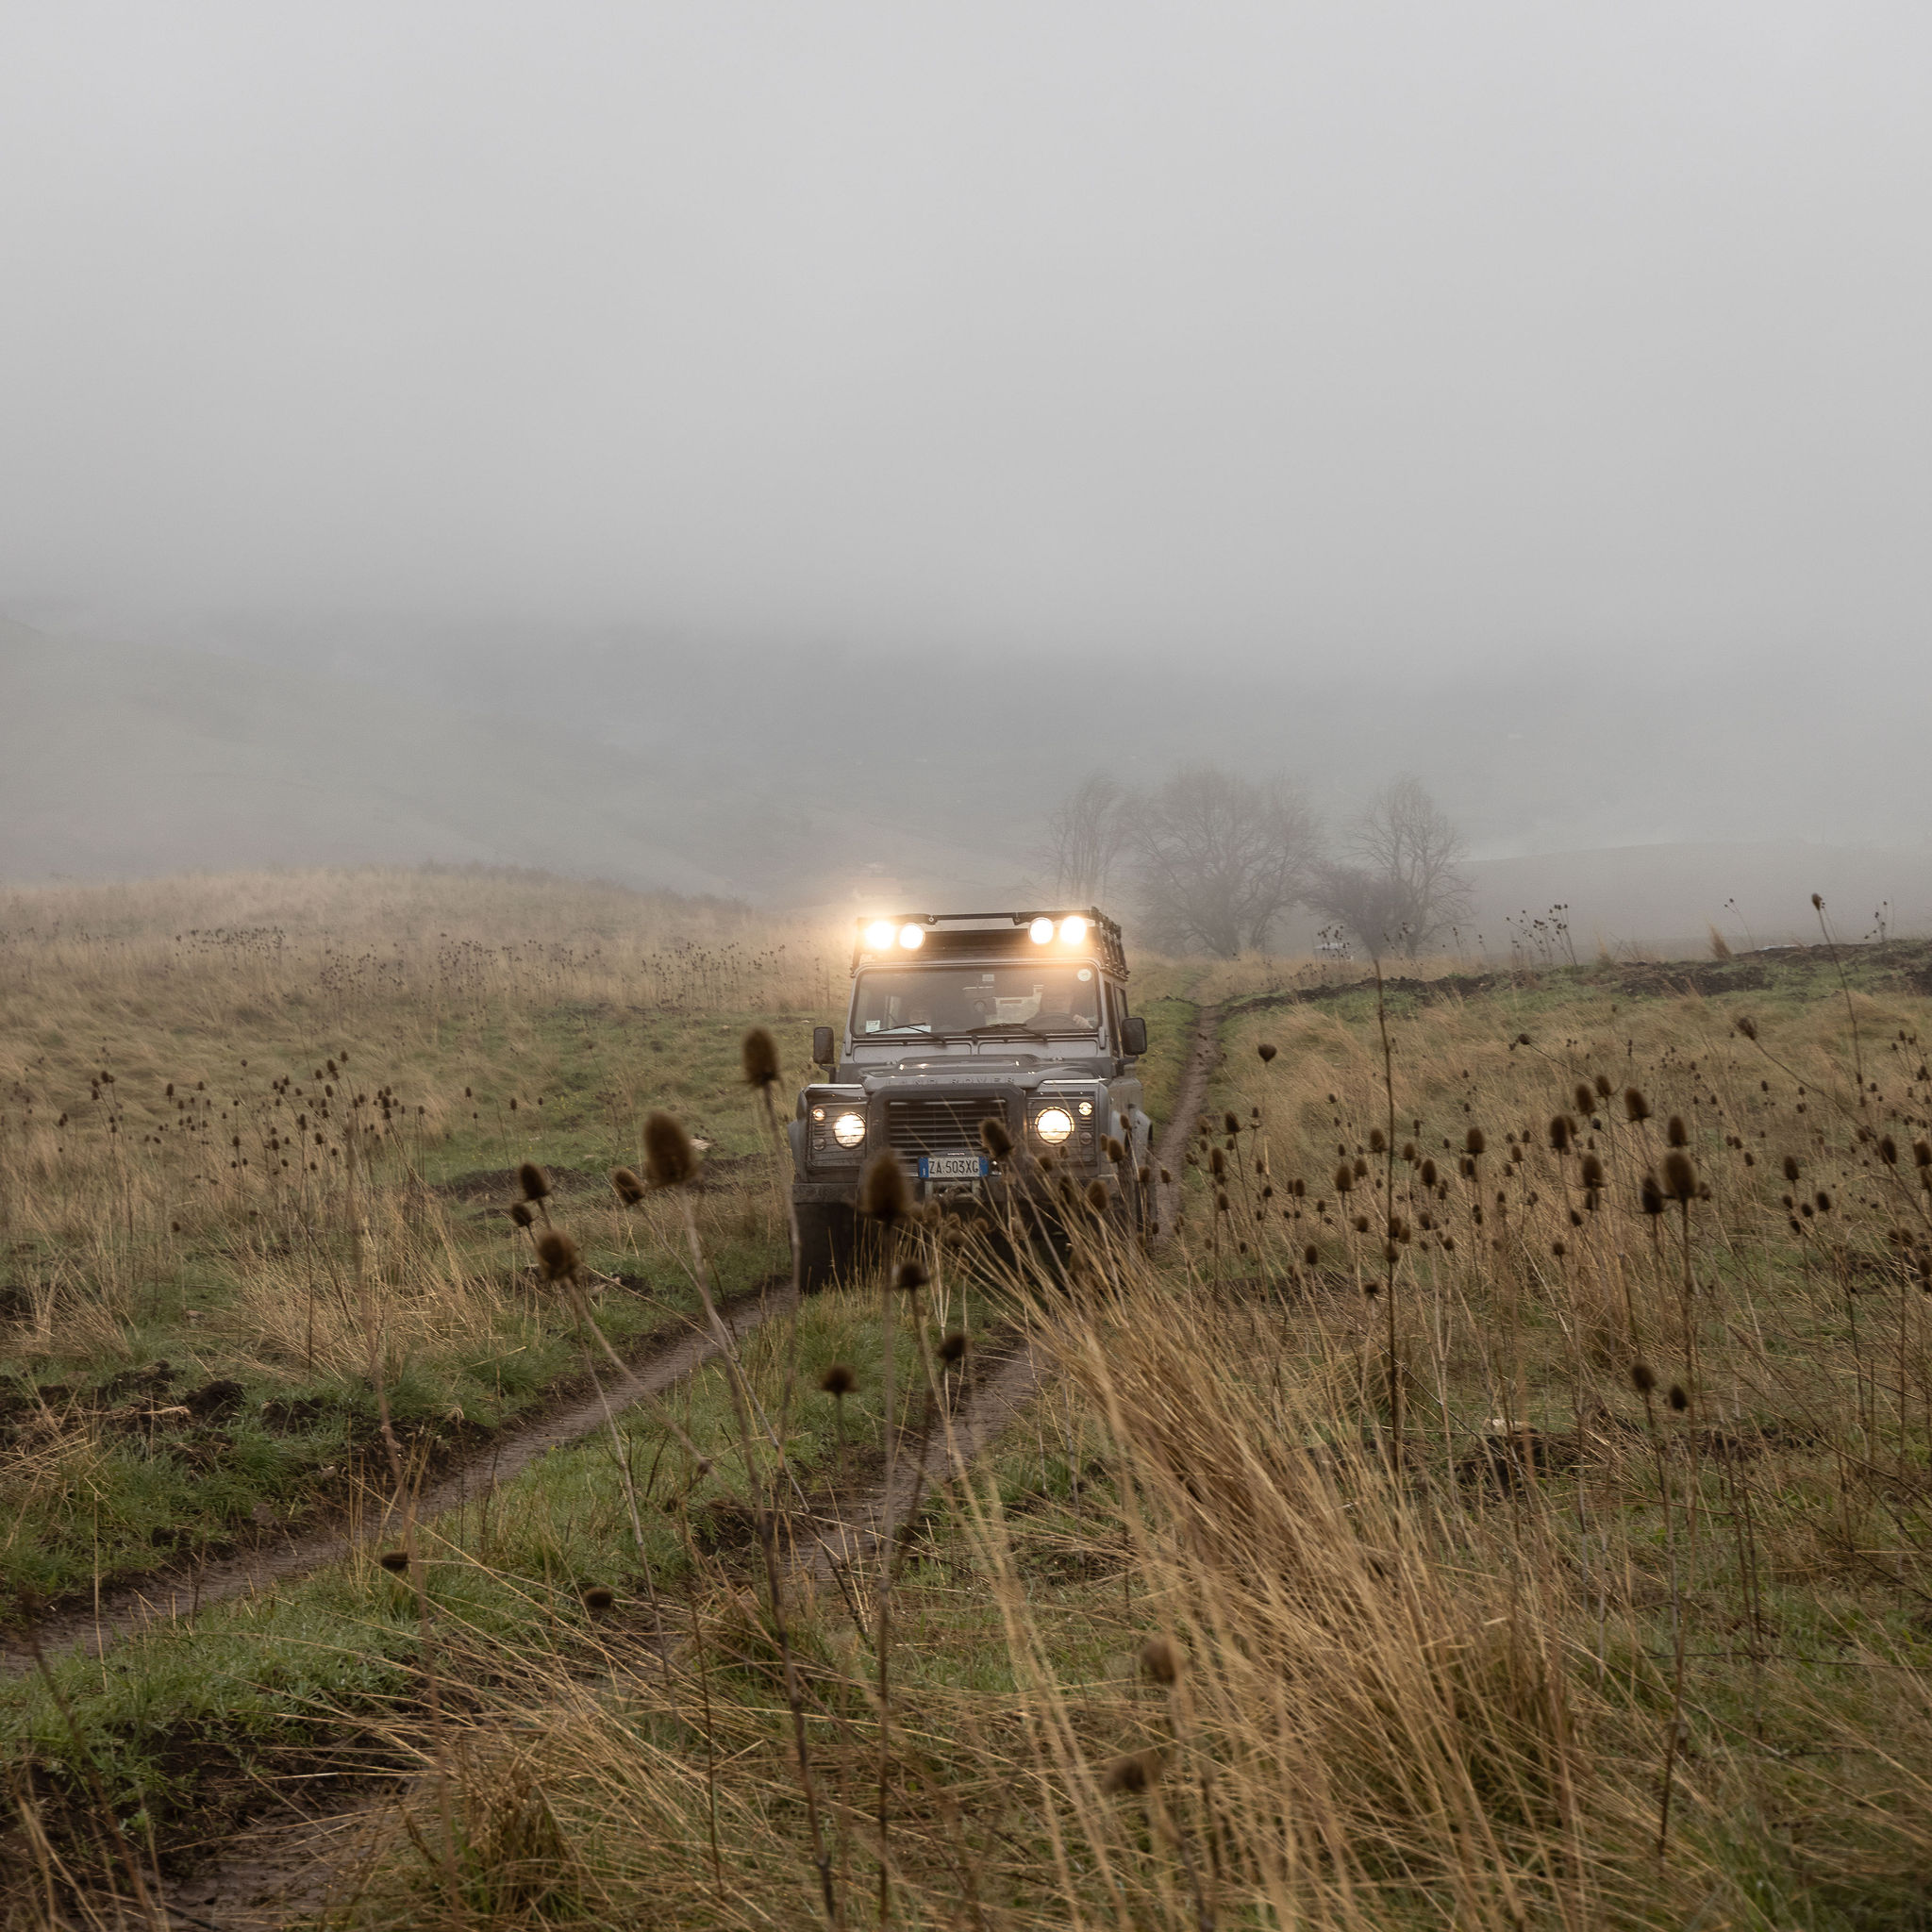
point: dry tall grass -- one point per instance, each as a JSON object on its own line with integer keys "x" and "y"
{"x": 244, "y": 1119}
{"x": 1506, "y": 1504}
{"x": 1522, "y": 1521}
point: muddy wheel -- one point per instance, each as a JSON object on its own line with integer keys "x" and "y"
{"x": 826, "y": 1243}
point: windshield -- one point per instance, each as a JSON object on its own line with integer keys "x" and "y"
{"x": 997, "y": 1000}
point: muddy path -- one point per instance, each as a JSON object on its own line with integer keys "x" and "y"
{"x": 1190, "y": 1100}
{"x": 671, "y": 1353}
{"x": 850, "y": 1538}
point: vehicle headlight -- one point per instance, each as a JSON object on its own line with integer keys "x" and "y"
{"x": 1072, "y": 930}
{"x": 849, "y": 1129}
{"x": 1053, "y": 1125}
{"x": 879, "y": 935}
{"x": 1040, "y": 931}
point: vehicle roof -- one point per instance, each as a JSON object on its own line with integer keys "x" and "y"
{"x": 994, "y": 936}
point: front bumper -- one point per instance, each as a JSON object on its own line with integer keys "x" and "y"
{"x": 997, "y": 1193}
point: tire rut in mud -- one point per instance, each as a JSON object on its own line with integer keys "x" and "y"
{"x": 672, "y": 1352}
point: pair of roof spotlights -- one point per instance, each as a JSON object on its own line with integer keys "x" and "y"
{"x": 881, "y": 936}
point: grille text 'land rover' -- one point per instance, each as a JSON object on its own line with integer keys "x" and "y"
{"x": 961, "y": 1018}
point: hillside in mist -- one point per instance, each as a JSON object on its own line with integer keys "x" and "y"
{"x": 1667, "y": 896}
{"x": 128, "y": 761}
{"x": 812, "y": 783}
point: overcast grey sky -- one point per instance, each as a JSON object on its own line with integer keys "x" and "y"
{"x": 1450, "y": 328}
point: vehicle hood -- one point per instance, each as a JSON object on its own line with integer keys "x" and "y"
{"x": 1025, "y": 1071}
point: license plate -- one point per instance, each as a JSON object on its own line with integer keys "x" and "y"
{"x": 952, "y": 1167}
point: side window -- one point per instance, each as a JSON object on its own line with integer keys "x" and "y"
{"x": 1116, "y": 1008}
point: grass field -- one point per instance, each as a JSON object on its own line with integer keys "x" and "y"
{"x": 1505, "y": 1501}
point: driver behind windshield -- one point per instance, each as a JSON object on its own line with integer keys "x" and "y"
{"x": 952, "y": 1000}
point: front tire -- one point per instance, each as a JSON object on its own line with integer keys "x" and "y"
{"x": 828, "y": 1243}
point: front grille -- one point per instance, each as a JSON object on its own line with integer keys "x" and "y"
{"x": 940, "y": 1126}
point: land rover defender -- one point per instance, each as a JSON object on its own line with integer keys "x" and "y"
{"x": 961, "y": 1018}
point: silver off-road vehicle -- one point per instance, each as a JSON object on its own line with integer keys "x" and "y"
{"x": 959, "y": 1019}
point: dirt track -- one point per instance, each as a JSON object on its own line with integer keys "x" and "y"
{"x": 668, "y": 1358}
{"x": 672, "y": 1354}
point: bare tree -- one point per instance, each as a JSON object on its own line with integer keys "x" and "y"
{"x": 1404, "y": 888}
{"x": 1084, "y": 836}
{"x": 1218, "y": 858}
{"x": 1376, "y": 910}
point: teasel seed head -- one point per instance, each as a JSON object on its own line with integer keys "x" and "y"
{"x": 1678, "y": 1399}
{"x": 1428, "y": 1174}
{"x": 1133, "y": 1773}
{"x": 1345, "y": 1177}
{"x": 1592, "y": 1170}
{"x": 882, "y": 1190}
{"x": 1792, "y": 1169}
{"x": 1229, "y": 1124}
{"x": 630, "y": 1191}
{"x": 760, "y": 1056}
{"x": 1887, "y": 1150}
{"x": 1675, "y": 1133}
{"x": 1746, "y": 1025}
{"x": 1635, "y": 1104}
{"x": 1650, "y": 1197}
{"x": 910, "y": 1275}
{"x": 394, "y": 1561}
{"x": 670, "y": 1160}
{"x": 839, "y": 1380}
{"x": 533, "y": 1180}
{"x": 1267, "y": 1050}
{"x": 1112, "y": 1149}
{"x": 995, "y": 1139}
{"x": 1217, "y": 1162}
{"x": 1585, "y": 1099}
{"x": 1681, "y": 1178}
{"x": 1642, "y": 1378}
{"x": 1160, "y": 1658}
{"x": 1473, "y": 1142}
{"x": 1602, "y": 1085}
{"x": 558, "y": 1255}
{"x": 1559, "y": 1132}
{"x": 521, "y": 1213}
{"x": 953, "y": 1349}
{"x": 1097, "y": 1196}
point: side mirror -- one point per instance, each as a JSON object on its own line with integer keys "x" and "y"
{"x": 1134, "y": 1035}
{"x": 823, "y": 1054}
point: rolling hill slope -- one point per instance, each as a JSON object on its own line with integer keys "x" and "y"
{"x": 130, "y": 761}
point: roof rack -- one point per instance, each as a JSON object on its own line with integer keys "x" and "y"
{"x": 999, "y": 934}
